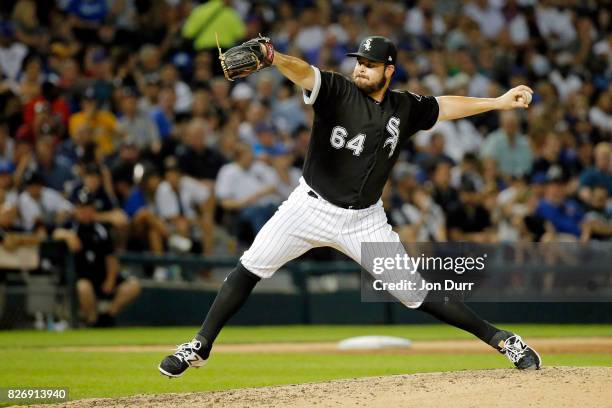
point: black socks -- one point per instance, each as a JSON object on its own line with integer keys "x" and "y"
{"x": 456, "y": 313}
{"x": 240, "y": 283}
{"x": 233, "y": 293}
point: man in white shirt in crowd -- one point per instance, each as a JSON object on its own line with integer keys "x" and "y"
{"x": 248, "y": 187}
{"x": 187, "y": 205}
{"x": 41, "y": 206}
{"x": 460, "y": 136}
{"x": 508, "y": 147}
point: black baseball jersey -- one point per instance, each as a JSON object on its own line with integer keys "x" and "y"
{"x": 97, "y": 244}
{"x": 356, "y": 141}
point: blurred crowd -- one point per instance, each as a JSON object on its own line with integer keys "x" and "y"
{"x": 115, "y": 113}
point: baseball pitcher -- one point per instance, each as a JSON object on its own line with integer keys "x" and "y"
{"x": 357, "y": 133}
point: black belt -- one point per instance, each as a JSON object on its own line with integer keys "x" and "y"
{"x": 348, "y": 207}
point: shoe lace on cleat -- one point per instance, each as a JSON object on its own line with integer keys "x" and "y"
{"x": 514, "y": 347}
{"x": 187, "y": 352}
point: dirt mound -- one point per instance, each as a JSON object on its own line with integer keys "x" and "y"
{"x": 550, "y": 387}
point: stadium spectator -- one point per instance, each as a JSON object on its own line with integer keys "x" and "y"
{"x": 187, "y": 206}
{"x": 58, "y": 106}
{"x": 44, "y": 122}
{"x": 597, "y": 223}
{"x": 288, "y": 176}
{"x": 196, "y": 158}
{"x": 215, "y": 16}
{"x": 18, "y": 248}
{"x": 121, "y": 166}
{"x": 96, "y": 183}
{"x": 40, "y": 206}
{"x": 432, "y": 151}
{"x": 598, "y": 219}
{"x": 600, "y": 115}
{"x": 78, "y": 148}
{"x": 12, "y": 53}
{"x": 86, "y": 18}
{"x": 145, "y": 225}
{"x": 441, "y": 190}
{"x": 287, "y": 109}
{"x": 268, "y": 143}
{"x": 8, "y": 197}
{"x": 30, "y": 84}
{"x": 549, "y": 155}
{"x": 470, "y": 168}
{"x": 169, "y": 76}
{"x": 102, "y": 124}
{"x": 487, "y": 15}
{"x": 97, "y": 267}
{"x": 248, "y": 187}
{"x": 469, "y": 220}
{"x": 563, "y": 215}
{"x": 508, "y": 147}
{"x": 426, "y": 220}
{"x": 163, "y": 113}
{"x": 56, "y": 173}
{"x": 511, "y": 208}
{"x": 135, "y": 126}
{"x": 600, "y": 174}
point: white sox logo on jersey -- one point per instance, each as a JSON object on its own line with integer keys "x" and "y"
{"x": 393, "y": 128}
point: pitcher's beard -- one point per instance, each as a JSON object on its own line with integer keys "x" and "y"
{"x": 371, "y": 88}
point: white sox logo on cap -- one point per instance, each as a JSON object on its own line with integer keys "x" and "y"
{"x": 367, "y": 44}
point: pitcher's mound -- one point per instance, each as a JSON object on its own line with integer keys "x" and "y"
{"x": 550, "y": 387}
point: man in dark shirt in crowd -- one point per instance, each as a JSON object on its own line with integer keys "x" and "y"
{"x": 97, "y": 183}
{"x": 442, "y": 192}
{"x": 563, "y": 215}
{"x": 96, "y": 266}
{"x": 195, "y": 158}
{"x": 598, "y": 220}
{"x": 470, "y": 220}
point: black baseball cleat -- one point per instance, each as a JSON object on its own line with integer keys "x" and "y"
{"x": 517, "y": 351}
{"x": 185, "y": 356}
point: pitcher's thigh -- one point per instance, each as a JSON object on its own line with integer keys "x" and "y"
{"x": 352, "y": 244}
{"x": 280, "y": 240}
{"x": 383, "y": 243}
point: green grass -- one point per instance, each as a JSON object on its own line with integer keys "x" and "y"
{"x": 25, "y": 362}
{"x": 117, "y": 374}
{"x": 267, "y": 334}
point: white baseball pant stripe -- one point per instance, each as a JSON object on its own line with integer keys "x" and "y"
{"x": 303, "y": 222}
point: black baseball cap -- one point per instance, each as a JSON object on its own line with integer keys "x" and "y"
{"x": 377, "y": 48}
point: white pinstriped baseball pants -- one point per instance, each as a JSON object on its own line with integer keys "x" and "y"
{"x": 303, "y": 222}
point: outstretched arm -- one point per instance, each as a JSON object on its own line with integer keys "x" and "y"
{"x": 296, "y": 70}
{"x": 455, "y": 107}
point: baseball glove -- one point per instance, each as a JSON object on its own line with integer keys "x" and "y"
{"x": 246, "y": 58}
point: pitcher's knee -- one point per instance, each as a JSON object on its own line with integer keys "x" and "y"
{"x": 261, "y": 270}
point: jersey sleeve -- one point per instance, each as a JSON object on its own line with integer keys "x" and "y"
{"x": 424, "y": 111}
{"x": 328, "y": 87}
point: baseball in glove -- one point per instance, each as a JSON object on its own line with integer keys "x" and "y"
{"x": 246, "y": 58}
